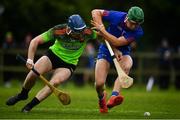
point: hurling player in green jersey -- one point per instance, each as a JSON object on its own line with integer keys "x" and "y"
{"x": 62, "y": 57}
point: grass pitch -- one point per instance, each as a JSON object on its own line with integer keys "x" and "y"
{"x": 84, "y": 105}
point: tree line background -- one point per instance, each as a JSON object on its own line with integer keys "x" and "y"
{"x": 162, "y": 17}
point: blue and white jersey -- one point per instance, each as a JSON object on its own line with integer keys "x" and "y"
{"x": 118, "y": 28}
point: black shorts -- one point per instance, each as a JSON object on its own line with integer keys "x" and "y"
{"x": 59, "y": 63}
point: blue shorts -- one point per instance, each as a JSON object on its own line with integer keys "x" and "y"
{"x": 105, "y": 54}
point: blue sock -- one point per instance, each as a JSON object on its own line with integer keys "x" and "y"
{"x": 115, "y": 93}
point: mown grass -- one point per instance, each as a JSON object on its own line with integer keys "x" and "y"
{"x": 84, "y": 105}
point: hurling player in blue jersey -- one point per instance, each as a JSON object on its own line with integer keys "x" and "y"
{"x": 123, "y": 29}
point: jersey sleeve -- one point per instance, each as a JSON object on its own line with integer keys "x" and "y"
{"x": 110, "y": 16}
{"x": 54, "y": 32}
{"x": 94, "y": 34}
{"x": 133, "y": 36}
{"x": 48, "y": 35}
{"x": 91, "y": 34}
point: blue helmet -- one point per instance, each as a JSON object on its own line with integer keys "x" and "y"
{"x": 76, "y": 23}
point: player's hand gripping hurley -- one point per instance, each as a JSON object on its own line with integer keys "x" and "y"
{"x": 62, "y": 96}
{"x": 124, "y": 79}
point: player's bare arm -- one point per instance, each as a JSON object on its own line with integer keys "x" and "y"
{"x": 120, "y": 41}
{"x": 98, "y": 25}
{"x": 32, "y": 49}
{"x": 97, "y": 16}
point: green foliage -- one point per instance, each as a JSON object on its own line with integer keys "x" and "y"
{"x": 37, "y": 16}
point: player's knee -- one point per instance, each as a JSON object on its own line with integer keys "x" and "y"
{"x": 31, "y": 75}
{"x": 127, "y": 64}
{"x": 56, "y": 82}
{"x": 99, "y": 83}
{"x": 127, "y": 69}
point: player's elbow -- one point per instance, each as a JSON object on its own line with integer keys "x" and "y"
{"x": 95, "y": 12}
{"x": 120, "y": 42}
{"x": 37, "y": 40}
{"x": 116, "y": 44}
{"x": 33, "y": 43}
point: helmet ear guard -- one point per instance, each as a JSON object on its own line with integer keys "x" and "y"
{"x": 136, "y": 14}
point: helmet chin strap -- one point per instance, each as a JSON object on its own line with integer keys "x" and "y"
{"x": 68, "y": 31}
{"x": 126, "y": 19}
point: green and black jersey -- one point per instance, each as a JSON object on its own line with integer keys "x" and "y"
{"x": 66, "y": 47}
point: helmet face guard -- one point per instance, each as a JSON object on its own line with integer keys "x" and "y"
{"x": 76, "y": 23}
{"x": 136, "y": 14}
